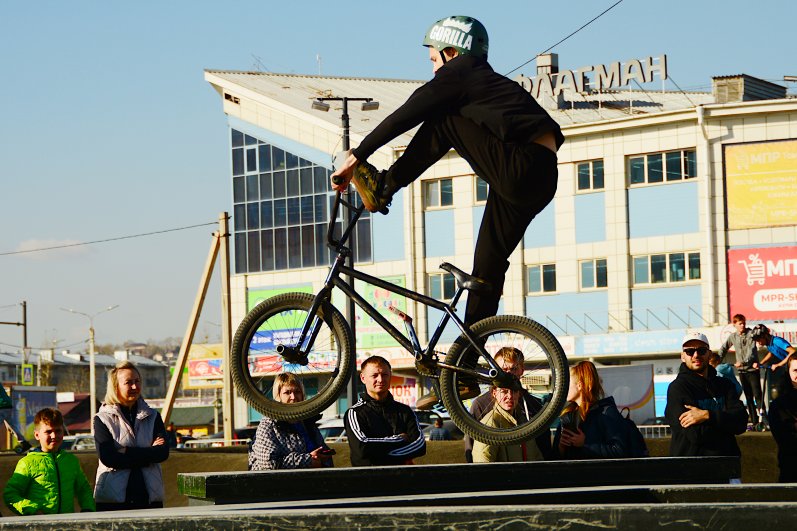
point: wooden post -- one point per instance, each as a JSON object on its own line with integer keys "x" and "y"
{"x": 188, "y": 339}
{"x": 228, "y": 390}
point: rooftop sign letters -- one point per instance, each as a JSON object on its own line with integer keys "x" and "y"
{"x": 597, "y": 77}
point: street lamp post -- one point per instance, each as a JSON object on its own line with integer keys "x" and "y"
{"x": 92, "y": 367}
{"x": 368, "y": 104}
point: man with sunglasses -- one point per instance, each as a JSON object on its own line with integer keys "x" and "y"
{"x": 703, "y": 410}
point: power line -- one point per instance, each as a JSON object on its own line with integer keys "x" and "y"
{"x": 563, "y": 40}
{"x": 7, "y": 253}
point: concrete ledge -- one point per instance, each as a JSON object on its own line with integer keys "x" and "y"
{"x": 700, "y": 516}
{"x": 286, "y": 485}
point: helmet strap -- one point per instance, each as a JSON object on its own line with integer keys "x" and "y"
{"x": 442, "y": 56}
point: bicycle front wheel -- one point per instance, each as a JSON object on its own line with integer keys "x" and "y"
{"x": 266, "y": 345}
{"x": 546, "y": 377}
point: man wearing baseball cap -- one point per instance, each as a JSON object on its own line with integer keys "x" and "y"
{"x": 703, "y": 409}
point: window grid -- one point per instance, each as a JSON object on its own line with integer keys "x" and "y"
{"x": 594, "y": 274}
{"x": 541, "y": 278}
{"x": 655, "y": 168}
{"x": 589, "y": 175}
{"x": 281, "y": 205}
{"x": 438, "y": 193}
{"x": 482, "y": 189}
{"x": 669, "y": 268}
{"x": 441, "y": 286}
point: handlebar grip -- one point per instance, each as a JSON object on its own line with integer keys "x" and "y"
{"x": 337, "y": 179}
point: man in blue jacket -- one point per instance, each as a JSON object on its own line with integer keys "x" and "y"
{"x": 703, "y": 410}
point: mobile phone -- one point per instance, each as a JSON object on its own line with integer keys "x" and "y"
{"x": 571, "y": 420}
{"x": 327, "y": 451}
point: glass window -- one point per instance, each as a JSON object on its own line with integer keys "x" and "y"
{"x": 694, "y": 266}
{"x": 252, "y": 188}
{"x": 588, "y": 274}
{"x": 308, "y": 246}
{"x": 294, "y": 247}
{"x": 293, "y": 211}
{"x": 251, "y": 160}
{"x": 266, "y": 214}
{"x": 442, "y": 286}
{"x": 534, "y": 279}
{"x": 637, "y": 169}
{"x": 691, "y": 164}
{"x": 597, "y": 174}
{"x": 279, "y": 184}
{"x": 541, "y": 278}
{"x": 253, "y": 243}
{"x": 655, "y": 174}
{"x": 239, "y": 217}
{"x": 238, "y": 190}
{"x": 658, "y": 268}
{"x": 641, "y": 270}
{"x": 250, "y": 140}
{"x": 267, "y": 250}
{"x": 363, "y": 236}
{"x": 292, "y": 178}
{"x": 549, "y": 277}
{"x": 280, "y": 249}
{"x": 677, "y": 267}
{"x": 291, "y": 160}
{"x": 277, "y": 158}
{"x": 601, "y": 273}
{"x": 240, "y": 252}
{"x": 432, "y": 193}
{"x": 280, "y": 213}
{"x": 253, "y": 218}
{"x": 320, "y": 179}
{"x": 306, "y": 202}
{"x": 673, "y": 162}
{"x": 482, "y": 189}
{"x": 237, "y": 138}
{"x": 321, "y": 249}
{"x": 237, "y": 161}
{"x": 446, "y": 192}
{"x": 265, "y": 186}
{"x": 584, "y": 181}
{"x": 264, "y": 156}
{"x": 306, "y": 180}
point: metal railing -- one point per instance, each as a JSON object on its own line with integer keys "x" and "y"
{"x": 208, "y": 443}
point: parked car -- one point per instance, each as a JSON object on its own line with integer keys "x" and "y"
{"x": 77, "y": 443}
{"x": 240, "y": 436}
{"x": 332, "y": 430}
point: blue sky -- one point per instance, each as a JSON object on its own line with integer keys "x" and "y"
{"x": 109, "y": 129}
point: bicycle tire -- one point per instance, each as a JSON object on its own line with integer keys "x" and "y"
{"x": 546, "y": 369}
{"x": 255, "y": 361}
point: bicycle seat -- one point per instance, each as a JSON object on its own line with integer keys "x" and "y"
{"x": 469, "y": 282}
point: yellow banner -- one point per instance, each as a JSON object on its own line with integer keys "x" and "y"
{"x": 761, "y": 184}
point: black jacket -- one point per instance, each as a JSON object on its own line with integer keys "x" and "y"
{"x": 605, "y": 434}
{"x": 783, "y": 421}
{"x": 373, "y": 428}
{"x": 727, "y": 415}
{"x": 467, "y": 86}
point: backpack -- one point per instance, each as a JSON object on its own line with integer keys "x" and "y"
{"x": 636, "y": 441}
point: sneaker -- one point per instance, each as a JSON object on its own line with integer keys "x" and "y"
{"x": 23, "y": 447}
{"x": 750, "y": 426}
{"x": 466, "y": 390}
{"x": 370, "y": 184}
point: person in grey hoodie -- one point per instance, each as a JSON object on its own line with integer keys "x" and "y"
{"x": 747, "y": 366}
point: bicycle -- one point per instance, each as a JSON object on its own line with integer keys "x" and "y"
{"x": 306, "y": 335}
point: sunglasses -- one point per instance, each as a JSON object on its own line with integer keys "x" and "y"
{"x": 701, "y": 351}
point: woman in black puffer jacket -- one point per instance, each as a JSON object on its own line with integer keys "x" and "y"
{"x": 591, "y": 426}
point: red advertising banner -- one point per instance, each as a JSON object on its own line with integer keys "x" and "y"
{"x": 762, "y": 283}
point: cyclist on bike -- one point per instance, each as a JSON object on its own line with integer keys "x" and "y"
{"x": 509, "y": 140}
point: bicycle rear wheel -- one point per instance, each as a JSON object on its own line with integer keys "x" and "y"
{"x": 546, "y": 376}
{"x": 256, "y": 362}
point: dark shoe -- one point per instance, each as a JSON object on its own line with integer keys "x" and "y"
{"x": 370, "y": 184}
{"x": 23, "y": 447}
{"x": 466, "y": 390}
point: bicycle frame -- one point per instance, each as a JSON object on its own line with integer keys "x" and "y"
{"x": 333, "y": 280}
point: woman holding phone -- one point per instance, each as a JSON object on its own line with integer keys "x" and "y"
{"x": 591, "y": 426}
{"x": 280, "y": 444}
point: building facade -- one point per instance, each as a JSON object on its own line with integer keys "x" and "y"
{"x": 674, "y": 210}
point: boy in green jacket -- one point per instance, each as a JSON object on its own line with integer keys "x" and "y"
{"x": 47, "y": 480}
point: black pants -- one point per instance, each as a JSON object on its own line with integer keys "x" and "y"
{"x": 751, "y": 385}
{"x": 522, "y": 178}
